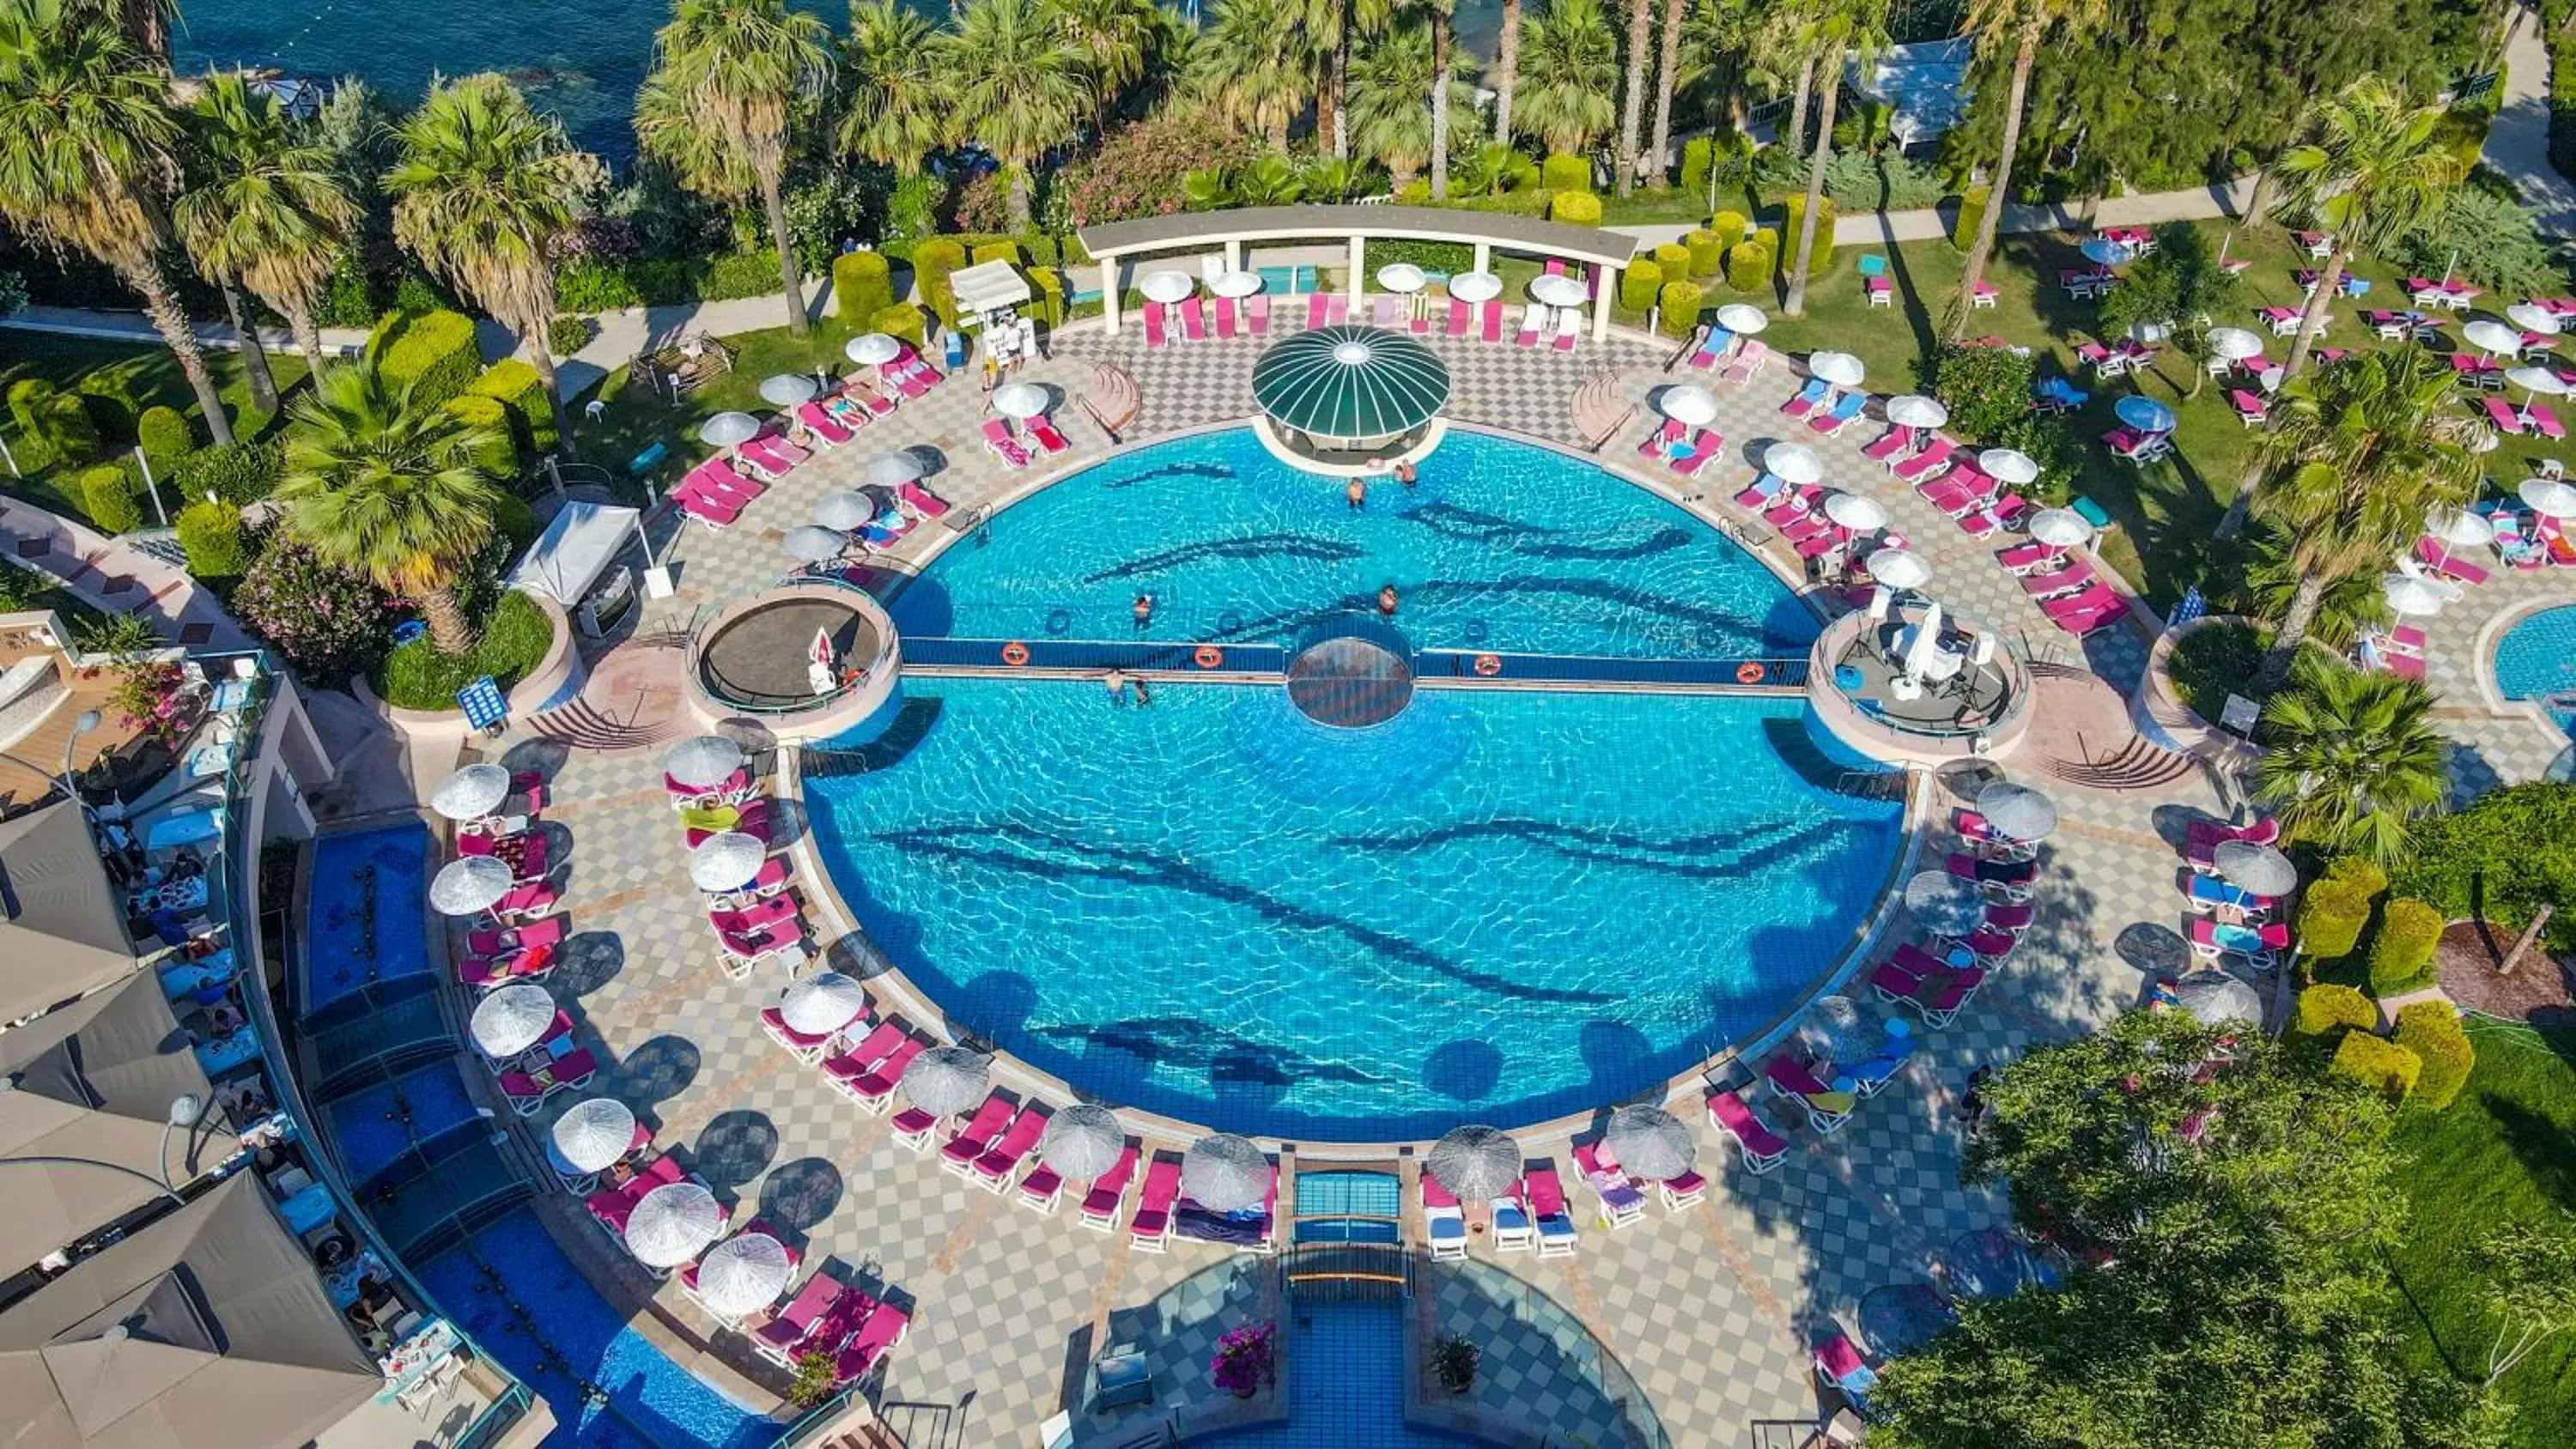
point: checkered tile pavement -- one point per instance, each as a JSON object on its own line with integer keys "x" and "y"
{"x": 1710, "y": 1311}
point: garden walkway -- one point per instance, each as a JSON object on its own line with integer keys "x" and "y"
{"x": 2518, "y": 141}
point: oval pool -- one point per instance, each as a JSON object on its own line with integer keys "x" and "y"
{"x": 2536, "y": 659}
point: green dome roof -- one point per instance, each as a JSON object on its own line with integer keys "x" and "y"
{"x": 1350, "y": 382}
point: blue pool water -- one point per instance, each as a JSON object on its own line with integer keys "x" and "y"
{"x": 2536, "y": 659}
{"x": 651, "y": 1400}
{"x": 374, "y": 1126}
{"x": 1345, "y": 1383}
{"x": 1498, "y": 906}
{"x": 363, "y": 920}
{"x": 1501, "y": 546}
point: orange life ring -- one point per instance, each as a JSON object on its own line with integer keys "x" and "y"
{"x": 1015, "y": 654}
{"x": 1489, "y": 665}
{"x": 1748, "y": 672}
{"x": 1207, "y": 656}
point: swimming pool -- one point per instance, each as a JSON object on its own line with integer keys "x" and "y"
{"x": 363, "y": 915}
{"x": 376, "y": 1125}
{"x": 2536, "y": 659}
{"x": 1500, "y": 545}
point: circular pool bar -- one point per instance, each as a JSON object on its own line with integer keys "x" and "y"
{"x": 1416, "y": 907}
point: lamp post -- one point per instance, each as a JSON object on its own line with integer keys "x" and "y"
{"x": 185, "y": 1109}
{"x": 89, "y": 720}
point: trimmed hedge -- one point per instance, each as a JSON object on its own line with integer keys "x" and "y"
{"x": 432, "y": 353}
{"x": 1639, "y": 284}
{"x": 1681, "y": 303}
{"x": 739, "y": 274}
{"x": 1706, "y": 252}
{"x": 903, "y": 320}
{"x": 1821, "y": 260}
{"x": 211, "y": 536}
{"x": 1748, "y": 266}
{"x": 1696, "y": 162}
{"x": 165, "y": 437}
{"x": 862, "y": 285}
{"x": 1972, "y": 211}
{"x": 2378, "y": 1062}
{"x": 111, "y": 406}
{"x": 517, "y": 386}
{"x": 2331, "y": 916}
{"x": 107, "y": 491}
{"x": 933, "y": 263}
{"x": 1729, "y": 226}
{"x": 2509, "y": 853}
{"x": 240, "y": 474}
{"x": 1000, "y": 251}
{"x": 1575, "y": 208}
{"x": 2402, "y": 958}
{"x": 2431, "y": 1030}
{"x": 2328, "y": 1007}
{"x": 55, "y": 419}
{"x": 2360, "y": 872}
{"x": 1674, "y": 258}
{"x": 501, "y": 458}
{"x": 1562, "y": 172}
{"x": 1047, "y": 304}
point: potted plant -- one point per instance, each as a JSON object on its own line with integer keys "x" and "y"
{"x": 816, "y": 1378}
{"x": 1246, "y": 1359}
{"x": 1453, "y": 1362}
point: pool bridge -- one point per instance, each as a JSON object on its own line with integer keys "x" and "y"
{"x": 1222, "y": 663}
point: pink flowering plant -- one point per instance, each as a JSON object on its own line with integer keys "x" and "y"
{"x": 150, "y": 695}
{"x": 1246, "y": 1359}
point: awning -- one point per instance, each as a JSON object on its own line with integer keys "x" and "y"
{"x": 989, "y": 286}
{"x": 576, "y": 548}
{"x": 64, "y": 929}
{"x": 208, "y": 1329}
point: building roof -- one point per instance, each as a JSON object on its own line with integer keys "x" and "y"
{"x": 1350, "y": 382}
{"x": 64, "y": 932}
{"x": 208, "y": 1329}
{"x": 1307, "y": 223}
{"x": 90, "y": 1088}
{"x": 989, "y": 286}
{"x": 576, "y": 548}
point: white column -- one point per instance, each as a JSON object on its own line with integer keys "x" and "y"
{"x": 1484, "y": 256}
{"x": 1359, "y": 272}
{"x": 1234, "y": 256}
{"x": 1601, "y": 302}
{"x": 1109, "y": 292}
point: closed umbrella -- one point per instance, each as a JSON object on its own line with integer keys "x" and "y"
{"x": 2532, "y": 317}
{"x": 469, "y": 884}
{"x": 2018, "y": 812}
{"x": 2549, "y": 497}
{"x": 1839, "y": 368}
{"x": 891, "y": 470}
{"x": 845, "y": 510}
{"x": 2408, "y": 594}
{"x": 1650, "y": 1142}
{"x": 703, "y": 761}
{"x": 1083, "y": 1141}
{"x": 1899, "y": 568}
{"x": 1476, "y": 1164}
{"x": 673, "y": 1223}
{"x": 1742, "y": 318}
{"x": 593, "y": 1133}
{"x": 1559, "y": 291}
{"x": 2144, "y": 413}
{"x": 2492, "y": 337}
{"x": 1837, "y": 1028}
{"x": 2262, "y": 869}
{"x": 1913, "y": 410}
{"x": 822, "y": 1003}
{"x": 2234, "y": 344}
{"x": 2213, "y": 997}
{"x": 1236, "y": 284}
{"x": 1858, "y": 513}
{"x": 1475, "y": 286}
{"x": 946, "y": 1080}
{"x": 471, "y": 793}
{"x": 1400, "y": 277}
{"x": 2009, "y": 466}
{"x": 743, "y": 1274}
{"x": 1944, "y": 904}
{"x": 1020, "y": 400}
{"x": 788, "y": 389}
{"x": 728, "y": 430}
{"x": 1689, "y": 403}
{"x": 875, "y": 349}
{"x": 1902, "y": 1317}
{"x": 2060, "y": 528}
{"x": 1225, "y": 1173}
{"x": 512, "y": 1019}
{"x": 1165, "y": 286}
{"x": 813, "y": 543}
{"x": 1792, "y": 463}
{"x": 726, "y": 861}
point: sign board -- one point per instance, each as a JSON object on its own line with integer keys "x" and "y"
{"x": 484, "y": 708}
{"x": 2239, "y": 714}
{"x": 2474, "y": 86}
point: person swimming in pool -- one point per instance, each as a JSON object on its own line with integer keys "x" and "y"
{"x": 1143, "y": 609}
{"x": 1404, "y": 474}
{"x": 1387, "y": 601}
{"x": 1357, "y": 493}
{"x": 1116, "y": 679}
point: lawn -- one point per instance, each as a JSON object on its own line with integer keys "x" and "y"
{"x": 514, "y": 639}
{"x": 633, "y": 419}
{"x": 149, "y": 374}
{"x": 2504, "y": 1152}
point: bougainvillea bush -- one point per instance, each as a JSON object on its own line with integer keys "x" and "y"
{"x": 328, "y": 623}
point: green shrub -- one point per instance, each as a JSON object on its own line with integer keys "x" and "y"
{"x": 107, "y": 491}
{"x": 1575, "y": 208}
{"x": 2214, "y": 661}
{"x": 501, "y": 457}
{"x": 416, "y": 295}
{"x": 165, "y": 438}
{"x": 594, "y": 284}
{"x": 211, "y": 535}
{"x": 2378, "y": 1062}
{"x": 739, "y": 274}
{"x": 2360, "y": 872}
{"x": 2431, "y": 1030}
{"x": 1047, "y": 304}
{"x": 514, "y": 522}
{"x": 239, "y": 473}
{"x": 1449, "y": 258}
{"x": 568, "y": 334}
{"x": 1562, "y": 172}
{"x": 663, "y": 281}
{"x": 435, "y": 353}
{"x": 1681, "y": 303}
{"x": 2331, "y": 915}
{"x": 2502, "y": 858}
{"x": 2329, "y": 1007}
{"x": 517, "y": 386}
{"x": 2402, "y": 958}
{"x": 1696, "y": 161}
{"x": 1821, "y": 260}
{"x": 328, "y": 622}
{"x": 1748, "y": 266}
{"x": 512, "y": 641}
{"x": 1000, "y": 251}
{"x": 1769, "y": 236}
{"x": 933, "y": 263}
{"x": 1729, "y": 226}
{"x": 903, "y": 320}
{"x": 862, "y": 286}
{"x": 55, "y": 419}
{"x": 1639, "y": 284}
{"x": 111, "y": 406}
{"x": 1972, "y": 214}
{"x": 1983, "y": 387}
{"x": 23, "y": 590}
{"x": 1674, "y": 258}
{"x": 1707, "y": 254}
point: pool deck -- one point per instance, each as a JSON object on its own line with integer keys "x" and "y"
{"x": 1712, "y": 1310}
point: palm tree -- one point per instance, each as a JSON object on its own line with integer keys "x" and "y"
{"x": 2359, "y": 455}
{"x": 1507, "y": 67}
{"x": 481, "y": 186}
{"x": 1840, "y": 27}
{"x": 1114, "y": 38}
{"x": 892, "y": 110}
{"x": 376, "y": 484}
{"x": 2021, "y": 24}
{"x": 88, "y": 155}
{"x": 1251, "y": 67}
{"x": 1570, "y": 65}
{"x": 2373, "y": 169}
{"x": 1013, "y": 85}
{"x": 1667, "y": 77}
{"x": 268, "y": 206}
{"x": 1443, "y": 14}
{"x": 1641, "y": 19}
{"x": 740, "y": 66}
{"x": 1389, "y": 123}
{"x": 1784, "y": 31}
{"x": 2352, "y": 759}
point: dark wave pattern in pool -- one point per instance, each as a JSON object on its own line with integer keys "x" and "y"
{"x": 1502, "y": 546}
{"x": 1498, "y": 907}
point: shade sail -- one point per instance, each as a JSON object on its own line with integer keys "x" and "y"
{"x": 209, "y": 1329}
{"x": 64, "y": 932}
{"x": 1350, "y": 382}
{"x": 1476, "y": 1164}
{"x": 579, "y": 544}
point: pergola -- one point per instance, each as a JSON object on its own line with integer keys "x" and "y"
{"x": 1115, "y": 242}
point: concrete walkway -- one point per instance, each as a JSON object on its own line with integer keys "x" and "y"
{"x": 2518, "y": 141}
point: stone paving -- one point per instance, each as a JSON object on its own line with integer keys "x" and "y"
{"x": 1711, "y": 1310}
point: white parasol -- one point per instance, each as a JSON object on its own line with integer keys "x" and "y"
{"x": 726, "y": 862}
{"x": 593, "y": 1133}
{"x": 512, "y": 1019}
{"x": 703, "y": 761}
{"x": 1899, "y": 568}
{"x": 1166, "y": 286}
{"x": 1020, "y": 400}
{"x": 728, "y": 430}
{"x": 2060, "y": 528}
{"x": 1689, "y": 403}
{"x": 2408, "y": 594}
{"x": 1742, "y": 318}
{"x": 2234, "y": 344}
{"x": 1839, "y": 368}
{"x": 845, "y": 510}
{"x": 813, "y": 543}
{"x": 673, "y": 1223}
{"x": 2549, "y": 497}
{"x": 1401, "y": 277}
{"x": 2018, "y": 812}
{"x": 1559, "y": 290}
{"x": 1792, "y": 463}
{"x": 1914, "y": 410}
{"x": 891, "y": 470}
{"x": 1855, "y": 512}
{"x": 743, "y": 1274}
{"x": 2532, "y": 317}
{"x": 1235, "y": 284}
{"x": 471, "y": 793}
{"x": 1475, "y": 286}
{"x": 2008, "y": 466}
{"x": 472, "y": 883}
{"x": 2491, "y": 336}
{"x": 874, "y": 349}
{"x": 823, "y": 1003}
{"x": 788, "y": 389}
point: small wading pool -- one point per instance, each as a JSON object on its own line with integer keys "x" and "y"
{"x": 2536, "y": 660}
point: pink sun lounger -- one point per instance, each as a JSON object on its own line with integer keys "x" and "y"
{"x": 1155, "y": 335}
{"x": 1533, "y": 317}
{"x": 874, "y": 1089}
{"x": 825, "y": 426}
{"x": 1545, "y": 1195}
{"x": 1151, "y": 1228}
{"x": 995, "y": 1167}
{"x": 971, "y": 1141}
{"x": 1100, "y": 1205}
{"x": 1256, "y": 314}
{"x": 1315, "y": 308}
{"x": 1763, "y": 1148}
{"x": 998, "y": 439}
{"x": 1493, "y": 320}
{"x": 780, "y": 1338}
{"x": 1460, "y": 314}
{"x": 877, "y": 1335}
{"x": 1194, "y": 319}
{"x": 1225, "y": 317}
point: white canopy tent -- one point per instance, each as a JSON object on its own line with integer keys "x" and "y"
{"x": 988, "y": 287}
{"x": 576, "y": 548}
